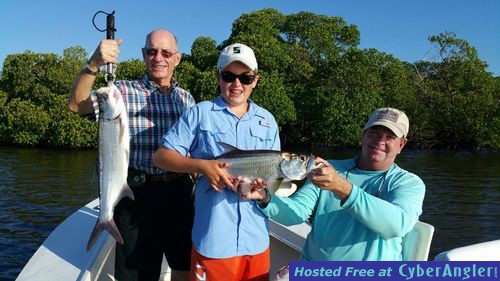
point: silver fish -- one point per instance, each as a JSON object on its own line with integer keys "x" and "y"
{"x": 113, "y": 155}
{"x": 274, "y": 167}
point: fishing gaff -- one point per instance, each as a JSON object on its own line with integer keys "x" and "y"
{"x": 110, "y": 75}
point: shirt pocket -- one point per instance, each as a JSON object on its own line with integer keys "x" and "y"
{"x": 260, "y": 138}
{"x": 211, "y": 137}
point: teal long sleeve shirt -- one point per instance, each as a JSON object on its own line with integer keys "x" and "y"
{"x": 383, "y": 206}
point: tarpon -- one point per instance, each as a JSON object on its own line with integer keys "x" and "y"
{"x": 113, "y": 155}
{"x": 274, "y": 167}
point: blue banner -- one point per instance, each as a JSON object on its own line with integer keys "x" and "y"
{"x": 404, "y": 271}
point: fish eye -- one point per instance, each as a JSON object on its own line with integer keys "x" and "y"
{"x": 303, "y": 158}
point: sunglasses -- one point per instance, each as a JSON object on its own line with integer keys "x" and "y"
{"x": 164, "y": 53}
{"x": 229, "y": 77}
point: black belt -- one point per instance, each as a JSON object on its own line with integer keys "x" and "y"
{"x": 165, "y": 177}
{"x": 138, "y": 177}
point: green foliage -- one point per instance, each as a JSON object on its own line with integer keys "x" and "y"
{"x": 3, "y": 117}
{"x": 23, "y": 123}
{"x": 3, "y": 99}
{"x": 130, "y": 70}
{"x": 67, "y": 129}
{"x": 205, "y": 88}
{"x": 33, "y": 107}
{"x": 318, "y": 84}
{"x": 460, "y": 95}
{"x": 201, "y": 84}
{"x": 322, "y": 36}
{"x": 204, "y": 53}
{"x": 196, "y": 72}
{"x": 271, "y": 94}
{"x": 21, "y": 72}
{"x": 261, "y": 30}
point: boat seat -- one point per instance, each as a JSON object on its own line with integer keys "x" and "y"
{"x": 417, "y": 242}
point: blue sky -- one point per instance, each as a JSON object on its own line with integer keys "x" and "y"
{"x": 396, "y": 27}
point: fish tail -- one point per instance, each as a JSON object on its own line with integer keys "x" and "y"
{"x": 93, "y": 236}
{"x": 112, "y": 229}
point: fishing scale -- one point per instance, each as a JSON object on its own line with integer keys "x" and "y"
{"x": 110, "y": 75}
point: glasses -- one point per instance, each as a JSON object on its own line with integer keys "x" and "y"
{"x": 164, "y": 53}
{"x": 229, "y": 77}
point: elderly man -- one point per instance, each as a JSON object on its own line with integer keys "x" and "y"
{"x": 159, "y": 221}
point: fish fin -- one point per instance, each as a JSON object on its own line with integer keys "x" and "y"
{"x": 227, "y": 147}
{"x": 93, "y": 236}
{"x": 110, "y": 226}
{"x": 286, "y": 189}
{"x": 127, "y": 192}
{"x": 123, "y": 138}
{"x": 113, "y": 230}
{"x": 273, "y": 185}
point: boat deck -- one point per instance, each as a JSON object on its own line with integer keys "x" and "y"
{"x": 62, "y": 256}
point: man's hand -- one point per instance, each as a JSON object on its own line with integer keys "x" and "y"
{"x": 327, "y": 178}
{"x": 107, "y": 52}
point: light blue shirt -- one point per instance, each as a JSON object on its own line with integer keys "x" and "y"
{"x": 224, "y": 224}
{"x": 383, "y": 206}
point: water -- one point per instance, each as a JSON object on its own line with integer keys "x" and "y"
{"x": 40, "y": 188}
{"x": 462, "y": 195}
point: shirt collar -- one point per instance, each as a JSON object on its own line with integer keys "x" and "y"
{"x": 221, "y": 104}
{"x": 156, "y": 87}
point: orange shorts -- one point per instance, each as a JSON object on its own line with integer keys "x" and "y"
{"x": 250, "y": 268}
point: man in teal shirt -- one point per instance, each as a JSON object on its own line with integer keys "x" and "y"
{"x": 362, "y": 206}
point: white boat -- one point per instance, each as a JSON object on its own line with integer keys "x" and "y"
{"x": 62, "y": 256}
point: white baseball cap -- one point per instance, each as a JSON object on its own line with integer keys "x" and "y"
{"x": 391, "y": 118}
{"x": 237, "y": 52}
